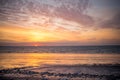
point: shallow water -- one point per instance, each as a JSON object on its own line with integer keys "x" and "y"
{"x": 12, "y": 60}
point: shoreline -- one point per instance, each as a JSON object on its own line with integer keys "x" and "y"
{"x": 63, "y": 72}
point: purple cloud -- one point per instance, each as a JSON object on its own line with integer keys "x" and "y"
{"x": 21, "y": 10}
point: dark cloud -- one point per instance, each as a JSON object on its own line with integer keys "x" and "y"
{"x": 113, "y": 3}
{"x": 114, "y": 22}
{"x": 111, "y": 11}
{"x": 107, "y": 3}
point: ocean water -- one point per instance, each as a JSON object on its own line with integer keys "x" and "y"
{"x": 60, "y": 49}
{"x": 11, "y": 57}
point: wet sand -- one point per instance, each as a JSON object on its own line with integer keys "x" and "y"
{"x": 63, "y": 72}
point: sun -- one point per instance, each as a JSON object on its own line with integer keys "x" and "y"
{"x": 36, "y": 45}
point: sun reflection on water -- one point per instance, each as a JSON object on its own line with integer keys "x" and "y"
{"x": 11, "y": 60}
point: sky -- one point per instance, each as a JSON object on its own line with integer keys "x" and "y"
{"x": 59, "y": 22}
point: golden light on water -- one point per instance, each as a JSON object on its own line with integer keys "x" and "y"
{"x": 11, "y": 60}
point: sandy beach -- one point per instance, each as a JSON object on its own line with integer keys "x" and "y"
{"x": 63, "y": 72}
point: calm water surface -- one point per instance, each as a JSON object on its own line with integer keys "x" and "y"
{"x": 11, "y": 60}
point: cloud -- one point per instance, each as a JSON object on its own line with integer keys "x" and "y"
{"x": 106, "y": 13}
{"x": 113, "y": 22}
{"x": 21, "y": 11}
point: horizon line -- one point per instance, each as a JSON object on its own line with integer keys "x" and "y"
{"x": 56, "y": 45}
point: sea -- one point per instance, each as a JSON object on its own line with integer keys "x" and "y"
{"x": 24, "y": 56}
